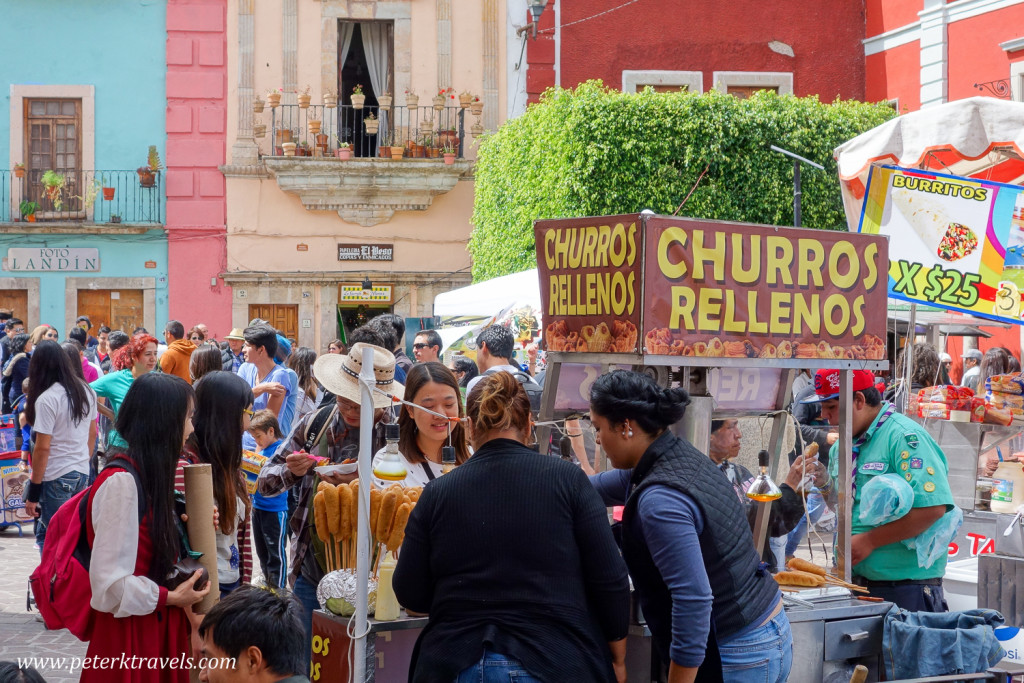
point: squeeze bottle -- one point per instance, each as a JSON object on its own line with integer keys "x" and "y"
{"x": 387, "y": 603}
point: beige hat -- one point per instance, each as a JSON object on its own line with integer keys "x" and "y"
{"x": 339, "y": 374}
{"x": 236, "y": 334}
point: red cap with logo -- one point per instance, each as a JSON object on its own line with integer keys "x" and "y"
{"x": 826, "y": 384}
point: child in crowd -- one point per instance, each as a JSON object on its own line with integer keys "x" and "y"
{"x": 24, "y": 426}
{"x": 270, "y": 514}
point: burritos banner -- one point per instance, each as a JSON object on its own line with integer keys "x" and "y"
{"x": 734, "y": 290}
{"x": 589, "y": 272}
{"x": 955, "y": 243}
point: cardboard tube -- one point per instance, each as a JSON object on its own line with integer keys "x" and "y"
{"x": 201, "y": 534}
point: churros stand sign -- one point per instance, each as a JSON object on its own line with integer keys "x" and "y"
{"x": 589, "y": 272}
{"x": 955, "y": 243}
{"x": 735, "y": 290}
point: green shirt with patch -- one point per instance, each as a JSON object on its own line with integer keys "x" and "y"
{"x": 900, "y": 446}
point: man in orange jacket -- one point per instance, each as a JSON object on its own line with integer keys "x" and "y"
{"x": 175, "y": 360}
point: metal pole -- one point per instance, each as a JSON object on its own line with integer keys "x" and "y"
{"x": 363, "y": 513}
{"x": 908, "y": 358}
{"x": 797, "y": 218}
{"x": 844, "y": 490}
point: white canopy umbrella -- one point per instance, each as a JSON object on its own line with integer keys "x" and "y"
{"x": 978, "y": 137}
{"x": 485, "y": 299}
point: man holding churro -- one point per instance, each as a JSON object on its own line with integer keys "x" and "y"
{"x": 886, "y": 442}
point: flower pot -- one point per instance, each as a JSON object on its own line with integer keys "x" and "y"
{"x": 476, "y": 129}
{"x": 108, "y": 193}
{"x": 284, "y": 135}
{"x": 31, "y": 218}
{"x": 449, "y": 159}
{"x": 476, "y": 108}
{"x": 321, "y": 140}
{"x": 426, "y": 127}
{"x": 259, "y": 130}
{"x": 304, "y": 101}
{"x": 19, "y": 172}
{"x": 433, "y": 152}
{"x": 465, "y": 100}
{"x": 344, "y": 154}
{"x": 397, "y": 152}
{"x": 115, "y": 219}
{"x": 330, "y": 101}
{"x": 314, "y": 126}
{"x": 372, "y": 126}
{"x": 384, "y": 102}
{"x": 146, "y": 178}
{"x": 438, "y": 101}
{"x": 288, "y": 148}
{"x": 274, "y": 98}
{"x": 257, "y": 106}
{"x": 412, "y": 101}
{"x": 358, "y": 100}
{"x": 448, "y": 138}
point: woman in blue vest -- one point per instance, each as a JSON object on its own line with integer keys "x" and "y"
{"x": 713, "y": 609}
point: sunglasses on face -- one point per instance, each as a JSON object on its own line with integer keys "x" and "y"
{"x": 419, "y": 346}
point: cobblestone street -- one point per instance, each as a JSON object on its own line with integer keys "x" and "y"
{"x": 20, "y": 634}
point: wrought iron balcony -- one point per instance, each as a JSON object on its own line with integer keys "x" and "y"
{"x": 83, "y": 196}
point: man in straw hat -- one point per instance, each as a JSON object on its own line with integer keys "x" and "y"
{"x": 233, "y": 356}
{"x": 331, "y": 432}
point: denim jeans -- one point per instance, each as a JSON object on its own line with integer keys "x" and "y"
{"x": 270, "y": 536}
{"x": 306, "y": 593}
{"x": 764, "y": 654}
{"x": 55, "y": 493}
{"x": 495, "y": 668}
{"x": 815, "y": 508}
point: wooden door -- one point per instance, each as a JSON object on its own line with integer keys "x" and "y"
{"x": 54, "y": 142}
{"x": 118, "y": 309}
{"x": 284, "y": 317}
{"x": 16, "y": 301}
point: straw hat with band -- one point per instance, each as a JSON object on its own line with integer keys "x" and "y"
{"x": 340, "y": 374}
{"x": 235, "y": 334}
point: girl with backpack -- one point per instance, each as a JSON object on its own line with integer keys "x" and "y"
{"x": 135, "y": 546}
{"x": 223, "y": 410}
{"x": 62, "y": 411}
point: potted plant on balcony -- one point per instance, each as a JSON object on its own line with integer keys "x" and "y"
{"x": 476, "y": 107}
{"x": 372, "y": 124}
{"x": 92, "y": 190}
{"x": 108, "y": 193}
{"x": 440, "y": 97}
{"x": 259, "y": 130}
{"x": 115, "y": 218}
{"x": 314, "y": 126}
{"x": 412, "y": 100}
{"x": 274, "y": 98}
{"x": 344, "y": 151}
{"x": 330, "y": 99}
{"x": 465, "y": 99}
{"x": 19, "y": 170}
{"x": 384, "y": 101}
{"x": 448, "y": 136}
{"x": 28, "y": 210}
{"x": 147, "y": 173}
{"x": 477, "y": 129}
{"x": 53, "y": 183}
{"x": 303, "y": 97}
{"x": 426, "y": 125}
{"x": 257, "y": 105}
{"x": 302, "y": 149}
{"x": 288, "y": 148}
{"x": 448, "y": 151}
{"x": 358, "y": 98}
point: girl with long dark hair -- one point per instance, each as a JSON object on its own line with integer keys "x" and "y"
{"x": 204, "y": 360}
{"x": 132, "y": 554}
{"x": 223, "y": 409}
{"x": 62, "y": 411}
{"x": 131, "y": 361}
{"x": 16, "y": 367}
{"x": 422, "y": 435}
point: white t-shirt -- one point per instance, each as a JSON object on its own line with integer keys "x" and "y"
{"x": 229, "y": 560}
{"x": 69, "y": 442}
{"x": 416, "y": 473}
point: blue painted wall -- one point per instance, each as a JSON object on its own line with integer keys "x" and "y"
{"x": 118, "y": 46}
{"x": 120, "y": 256}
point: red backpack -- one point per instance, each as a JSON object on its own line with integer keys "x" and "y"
{"x": 60, "y": 584}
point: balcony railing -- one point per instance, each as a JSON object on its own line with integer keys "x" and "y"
{"x": 422, "y": 131}
{"x": 85, "y": 196}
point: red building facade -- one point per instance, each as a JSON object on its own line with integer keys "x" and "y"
{"x": 792, "y": 47}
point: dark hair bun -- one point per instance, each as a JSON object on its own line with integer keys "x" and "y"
{"x": 625, "y": 395}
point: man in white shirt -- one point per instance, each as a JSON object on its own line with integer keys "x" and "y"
{"x": 972, "y": 369}
{"x": 495, "y": 347}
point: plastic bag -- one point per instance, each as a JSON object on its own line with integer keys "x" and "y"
{"x": 933, "y": 543}
{"x": 885, "y": 498}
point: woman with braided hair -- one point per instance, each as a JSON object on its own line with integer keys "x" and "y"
{"x": 714, "y": 611}
{"x": 130, "y": 362}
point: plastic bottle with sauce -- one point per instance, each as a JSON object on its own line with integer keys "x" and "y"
{"x": 387, "y": 603}
{"x": 1008, "y": 489}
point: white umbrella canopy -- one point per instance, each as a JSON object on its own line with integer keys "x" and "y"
{"x": 487, "y": 298}
{"x": 978, "y": 137}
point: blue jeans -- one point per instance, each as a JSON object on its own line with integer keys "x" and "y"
{"x": 815, "y": 508}
{"x": 764, "y": 654}
{"x": 495, "y": 668}
{"x": 55, "y": 493}
{"x": 306, "y": 593}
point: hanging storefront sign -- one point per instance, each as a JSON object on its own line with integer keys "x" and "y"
{"x": 955, "y": 243}
{"x": 54, "y": 259}
{"x": 366, "y": 252}
{"x": 353, "y": 293}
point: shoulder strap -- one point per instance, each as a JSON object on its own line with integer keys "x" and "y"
{"x": 83, "y": 549}
{"x": 317, "y": 427}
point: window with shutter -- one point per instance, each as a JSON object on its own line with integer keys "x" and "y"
{"x": 53, "y": 140}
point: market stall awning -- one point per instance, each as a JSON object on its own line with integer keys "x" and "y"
{"x": 978, "y": 137}
{"x": 487, "y": 298}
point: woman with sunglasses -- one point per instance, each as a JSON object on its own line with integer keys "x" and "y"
{"x": 130, "y": 362}
{"x": 423, "y": 435}
{"x": 222, "y": 414}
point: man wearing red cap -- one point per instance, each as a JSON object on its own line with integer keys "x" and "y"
{"x": 886, "y": 442}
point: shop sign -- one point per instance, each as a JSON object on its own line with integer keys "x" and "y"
{"x": 354, "y": 293}
{"x": 735, "y": 290}
{"x": 955, "y": 243}
{"x": 366, "y": 252}
{"x": 744, "y": 388}
{"x": 590, "y": 283}
{"x": 13, "y": 483}
{"x": 53, "y": 259}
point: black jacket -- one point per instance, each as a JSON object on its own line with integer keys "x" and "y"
{"x": 513, "y": 550}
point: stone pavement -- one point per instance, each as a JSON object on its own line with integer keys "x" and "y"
{"x": 20, "y": 634}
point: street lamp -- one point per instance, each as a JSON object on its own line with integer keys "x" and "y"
{"x": 536, "y": 9}
{"x": 797, "y": 160}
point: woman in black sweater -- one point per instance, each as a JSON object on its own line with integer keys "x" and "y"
{"x": 512, "y": 556}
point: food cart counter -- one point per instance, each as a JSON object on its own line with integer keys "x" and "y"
{"x": 389, "y": 647}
